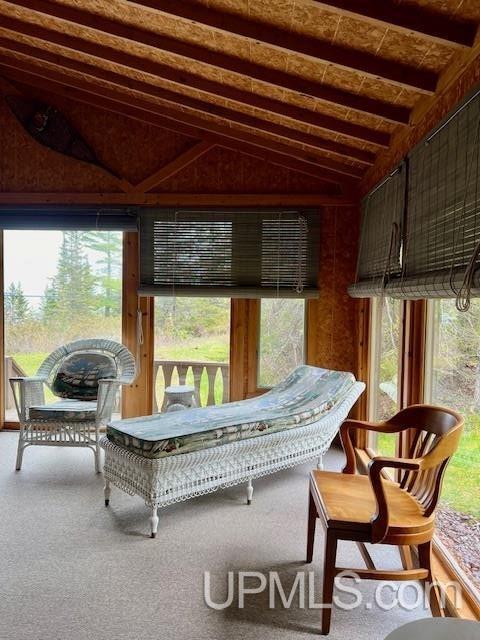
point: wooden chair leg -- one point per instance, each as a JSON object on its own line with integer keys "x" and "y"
{"x": 367, "y": 558}
{"x": 312, "y": 521}
{"x": 406, "y": 557}
{"x": 425, "y": 562}
{"x": 328, "y": 580}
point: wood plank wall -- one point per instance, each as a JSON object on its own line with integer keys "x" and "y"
{"x": 133, "y": 150}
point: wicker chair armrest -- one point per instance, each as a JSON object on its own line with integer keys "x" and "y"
{"x": 27, "y": 379}
{"x": 107, "y": 392}
{"x": 27, "y": 392}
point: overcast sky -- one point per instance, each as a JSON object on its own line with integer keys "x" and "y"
{"x": 31, "y": 258}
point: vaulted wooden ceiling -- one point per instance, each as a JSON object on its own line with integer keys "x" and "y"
{"x": 316, "y": 85}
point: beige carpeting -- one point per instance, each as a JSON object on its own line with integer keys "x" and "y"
{"x": 72, "y": 569}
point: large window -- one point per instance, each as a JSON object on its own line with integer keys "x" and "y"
{"x": 453, "y": 379}
{"x": 386, "y": 344}
{"x": 192, "y": 346}
{"x": 59, "y": 287}
{"x": 282, "y": 339}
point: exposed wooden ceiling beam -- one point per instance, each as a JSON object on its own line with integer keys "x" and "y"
{"x": 407, "y": 17}
{"x": 100, "y": 89}
{"x": 279, "y": 79}
{"x": 171, "y": 168}
{"x": 267, "y": 150}
{"x": 35, "y": 54}
{"x": 367, "y": 64}
{"x": 181, "y": 199}
{"x": 322, "y": 51}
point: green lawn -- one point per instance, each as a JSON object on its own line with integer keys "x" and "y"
{"x": 211, "y": 349}
{"x": 461, "y": 486}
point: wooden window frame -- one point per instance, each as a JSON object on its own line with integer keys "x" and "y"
{"x": 414, "y": 371}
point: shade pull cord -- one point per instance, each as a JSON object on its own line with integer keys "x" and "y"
{"x": 279, "y": 236}
{"x": 462, "y": 301}
{"x": 140, "y": 341}
{"x": 302, "y": 238}
{"x": 394, "y": 234}
{"x": 174, "y": 276}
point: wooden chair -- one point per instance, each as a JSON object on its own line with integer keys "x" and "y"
{"x": 372, "y": 508}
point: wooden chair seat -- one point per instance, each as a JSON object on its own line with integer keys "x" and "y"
{"x": 348, "y": 503}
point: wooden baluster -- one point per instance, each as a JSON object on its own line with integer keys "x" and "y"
{"x": 211, "y": 374}
{"x": 197, "y": 370}
{"x": 182, "y": 372}
{"x": 167, "y": 369}
{"x": 226, "y": 381}
{"x": 156, "y": 368}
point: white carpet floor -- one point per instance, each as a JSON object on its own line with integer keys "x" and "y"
{"x": 71, "y": 569}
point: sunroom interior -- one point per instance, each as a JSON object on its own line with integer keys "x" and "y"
{"x": 231, "y": 191}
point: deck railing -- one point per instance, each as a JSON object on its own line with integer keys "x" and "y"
{"x": 12, "y": 370}
{"x": 210, "y": 379}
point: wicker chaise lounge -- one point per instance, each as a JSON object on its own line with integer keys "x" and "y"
{"x": 170, "y": 457}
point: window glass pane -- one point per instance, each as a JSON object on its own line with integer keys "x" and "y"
{"x": 386, "y": 391}
{"x": 455, "y": 383}
{"x": 282, "y": 339}
{"x": 192, "y": 347}
{"x": 59, "y": 287}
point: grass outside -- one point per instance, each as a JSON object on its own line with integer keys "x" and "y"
{"x": 461, "y": 486}
{"x": 210, "y": 349}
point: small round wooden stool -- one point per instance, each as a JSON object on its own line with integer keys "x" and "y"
{"x": 180, "y": 397}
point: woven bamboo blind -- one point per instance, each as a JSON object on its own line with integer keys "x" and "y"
{"x": 32, "y": 218}
{"x": 381, "y": 233}
{"x": 247, "y": 254}
{"x": 437, "y": 254}
{"x": 442, "y": 231}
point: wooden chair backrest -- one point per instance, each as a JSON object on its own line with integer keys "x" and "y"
{"x": 436, "y": 434}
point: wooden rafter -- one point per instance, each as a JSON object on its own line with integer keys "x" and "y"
{"x": 331, "y": 53}
{"x": 179, "y": 199}
{"x": 356, "y": 102}
{"x": 292, "y": 112}
{"x": 425, "y": 80}
{"x": 407, "y": 18}
{"x": 173, "y": 167}
{"x": 98, "y": 90}
{"x": 154, "y": 91}
{"x": 268, "y": 151}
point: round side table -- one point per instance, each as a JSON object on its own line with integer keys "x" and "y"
{"x": 437, "y": 629}
{"x": 180, "y": 397}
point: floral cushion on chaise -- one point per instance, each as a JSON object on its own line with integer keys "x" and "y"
{"x": 301, "y": 399}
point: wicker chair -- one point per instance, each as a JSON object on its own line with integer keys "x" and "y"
{"x": 71, "y": 422}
